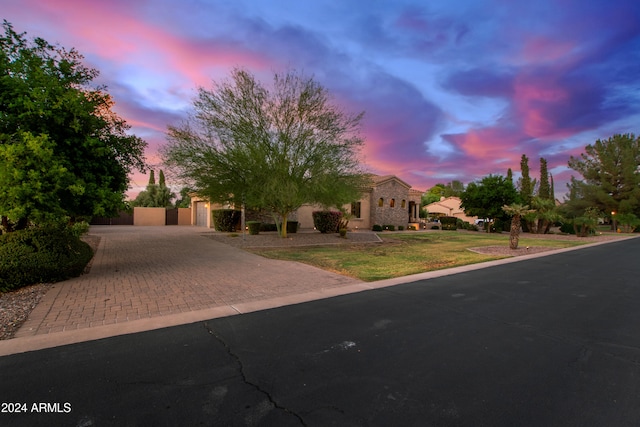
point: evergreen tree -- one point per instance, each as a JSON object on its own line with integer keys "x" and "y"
{"x": 525, "y": 183}
{"x": 544, "y": 191}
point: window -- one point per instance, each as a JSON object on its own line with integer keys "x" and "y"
{"x": 380, "y": 202}
{"x": 392, "y": 203}
{"x": 404, "y": 203}
{"x": 355, "y": 209}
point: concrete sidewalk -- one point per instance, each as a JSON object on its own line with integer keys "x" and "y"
{"x": 145, "y": 278}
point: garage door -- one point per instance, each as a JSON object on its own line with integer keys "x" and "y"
{"x": 201, "y": 214}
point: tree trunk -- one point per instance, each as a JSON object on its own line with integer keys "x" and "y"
{"x": 283, "y": 232}
{"x": 514, "y": 235}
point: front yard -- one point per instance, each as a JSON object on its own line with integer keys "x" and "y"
{"x": 417, "y": 252}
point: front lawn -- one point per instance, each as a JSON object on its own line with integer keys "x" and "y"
{"x": 405, "y": 254}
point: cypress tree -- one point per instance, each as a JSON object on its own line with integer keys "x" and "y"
{"x": 544, "y": 190}
{"x": 526, "y": 186}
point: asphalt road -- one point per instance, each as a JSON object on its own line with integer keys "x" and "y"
{"x": 552, "y": 341}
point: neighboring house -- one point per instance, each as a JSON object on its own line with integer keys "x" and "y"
{"x": 450, "y": 206}
{"x": 388, "y": 201}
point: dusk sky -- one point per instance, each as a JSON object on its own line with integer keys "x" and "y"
{"x": 452, "y": 90}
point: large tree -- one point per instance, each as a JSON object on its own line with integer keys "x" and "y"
{"x": 272, "y": 148}
{"x": 78, "y": 152}
{"x": 610, "y": 172}
{"x": 486, "y": 198}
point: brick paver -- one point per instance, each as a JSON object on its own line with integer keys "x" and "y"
{"x": 145, "y": 272}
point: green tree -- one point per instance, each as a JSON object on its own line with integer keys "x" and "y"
{"x": 433, "y": 194}
{"x": 185, "y": 199}
{"x": 165, "y": 195}
{"x": 610, "y": 172}
{"x": 49, "y": 109}
{"x": 525, "y": 184}
{"x": 30, "y": 178}
{"x": 544, "y": 214}
{"x": 486, "y": 198}
{"x": 544, "y": 191}
{"x": 155, "y": 195}
{"x": 271, "y": 148}
{"x": 453, "y": 189}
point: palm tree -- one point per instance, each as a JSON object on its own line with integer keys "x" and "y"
{"x": 517, "y": 211}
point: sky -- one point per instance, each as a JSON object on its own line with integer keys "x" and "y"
{"x": 451, "y": 89}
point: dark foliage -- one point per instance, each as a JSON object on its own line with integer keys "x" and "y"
{"x": 225, "y": 220}
{"x": 327, "y": 221}
{"x": 41, "y": 255}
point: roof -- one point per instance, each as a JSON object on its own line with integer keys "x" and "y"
{"x": 381, "y": 179}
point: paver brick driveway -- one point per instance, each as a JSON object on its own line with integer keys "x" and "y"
{"x": 144, "y": 272}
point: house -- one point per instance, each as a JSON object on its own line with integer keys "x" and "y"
{"x": 387, "y": 201}
{"x": 450, "y": 206}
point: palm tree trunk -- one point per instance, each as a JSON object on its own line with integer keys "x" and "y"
{"x": 514, "y": 235}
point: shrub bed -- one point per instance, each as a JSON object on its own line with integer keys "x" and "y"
{"x": 254, "y": 227}
{"x": 225, "y": 220}
{"x": 327, "y": 221}
{"x": 41, "y": 255}
{"x": 449, "y": 223}
{"x": 268, "y": 226}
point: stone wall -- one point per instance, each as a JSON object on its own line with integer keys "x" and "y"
{"x": 387, "y": 215}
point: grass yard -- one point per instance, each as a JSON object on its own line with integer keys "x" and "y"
{"x": 405, "y": 254}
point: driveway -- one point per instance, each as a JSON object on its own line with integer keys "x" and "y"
{"x": 147, "y": 277}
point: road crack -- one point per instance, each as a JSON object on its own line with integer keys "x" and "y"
{"x": 241, "y": 370}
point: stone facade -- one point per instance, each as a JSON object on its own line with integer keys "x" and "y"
{"x": 389, "y": 205}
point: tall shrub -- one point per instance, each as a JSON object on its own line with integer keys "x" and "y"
{"x": 449, "y": 223}
{"x": 225, "y": 219}
{"x": 327, "y": 221}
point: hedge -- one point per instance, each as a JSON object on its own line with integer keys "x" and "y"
{"x": 327, "y": 221}
{"x": 449, "y": 223}
{"x": 41, "y": 255}
{"x": 225, "y": 220}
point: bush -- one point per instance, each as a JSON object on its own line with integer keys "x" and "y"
{"x": 376, "y": 227}
{"x": 435, "y": 227}
{"x": 78, "y": 229}
{"x": 254, "y": 227}
{"x": 268, "y": 226}
{"x": 292, "y": 227}
{"x": 567, "y": 227}
{"x": 225, "y": 220}
{"x": 327, "y": 221}
{"x": 464, "y": 225}
{"x": 41, "y": 255}
{"x": 449, "y": 223}
{"x": 400, "y": 228}
{"x": 389, "y": 227}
